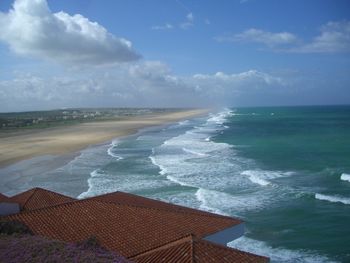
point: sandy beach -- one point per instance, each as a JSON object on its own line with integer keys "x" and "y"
{"x": 68, "y": 140}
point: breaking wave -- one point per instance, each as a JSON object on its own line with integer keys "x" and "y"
{"x": 345, "y": 177}
{"x": 276, "y": 254}
{"x": 263, "y": 177}
{"x": 110, "y": 150}
{"x": 333, "y": 198}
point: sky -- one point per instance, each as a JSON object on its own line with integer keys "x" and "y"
{"x": 173, "y": 53}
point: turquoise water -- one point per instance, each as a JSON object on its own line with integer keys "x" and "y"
{"x": 285, "y": 171}
{"x": 313, "y": 144}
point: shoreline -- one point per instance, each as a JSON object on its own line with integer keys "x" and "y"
{"x": 62, "y": 141}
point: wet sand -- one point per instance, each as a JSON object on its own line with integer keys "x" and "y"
{"x": 30, "y": 159}
{"x": 67, "y": 140}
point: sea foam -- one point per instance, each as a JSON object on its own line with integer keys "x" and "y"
{"x": 345, "y": 177}
{"x": 228, "y": 204}
{"x": 194, "y": 152}
{"x": 276, "y": 254}
{"x": 110, "y": 150}
{"x": 262, "y": 177}
{"x": 333, "y": 198}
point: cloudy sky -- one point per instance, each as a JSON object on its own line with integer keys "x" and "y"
{"x": 173, "y": 53}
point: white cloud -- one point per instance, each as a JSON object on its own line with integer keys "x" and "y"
{"x": 31, "y": 29}
{"x": 148, "y": 84}
{"x": 189, "y": 22}
{"x": 225, "y": 87}
{"x": 190, "y": 17}
{"x": 250, "y": 75}
{"x": 259, "y": 36}
{"x": 334, "y": 37}
{"x": 167, "y": 26}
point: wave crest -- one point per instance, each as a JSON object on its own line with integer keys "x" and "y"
{"x": 345, "y": 177}
{"x": 276, "y": 254}
{"x": 333, "y": 198}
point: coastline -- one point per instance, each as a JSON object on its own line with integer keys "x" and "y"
{"x": 69, "y": 140}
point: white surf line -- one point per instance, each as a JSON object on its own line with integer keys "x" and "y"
{"x": 110, "y": 153}
{"x": 345, "y": 177}
{"x": 333, "y": 198}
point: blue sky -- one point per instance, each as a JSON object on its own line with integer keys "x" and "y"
{"x": 161, "y": 53}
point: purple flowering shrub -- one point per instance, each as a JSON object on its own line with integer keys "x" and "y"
{"x": 18, "y": 248}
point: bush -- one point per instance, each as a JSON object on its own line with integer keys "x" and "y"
{"x": 91, "y": 242}
{"x": 13, "y": 227}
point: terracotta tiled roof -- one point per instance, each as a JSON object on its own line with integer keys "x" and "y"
{"x": 127, "y": 229}
{"x": 193, "y": 250}
{"x": 4, "y": 198}
{"x": 131, "y": 199}
{"x": 37, "y": 198}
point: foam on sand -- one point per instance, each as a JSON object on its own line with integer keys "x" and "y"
{"x": 333, "y": 198}
{"x": 345, "y": 177}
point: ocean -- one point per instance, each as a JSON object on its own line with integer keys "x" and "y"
{"x": 284, "y": 170}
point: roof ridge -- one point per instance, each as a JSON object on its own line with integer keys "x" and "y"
{"x": 205, "y": 213}
{"x": 169, "y": 244}
{"x": 27, "y": 200}
{"x": 46, "y": 207}
{"x": 52, "y": 192}
{"x": 238, "y": 221}
{"x": 127, "y": 205}
{"x": 170, "y": 211}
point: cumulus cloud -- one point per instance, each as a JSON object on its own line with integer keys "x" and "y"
{"x": 31, "y": 29}
{"x": 226, "y": 88}
{"x": 147, "y": 84}
{"x": 260, "y": 36}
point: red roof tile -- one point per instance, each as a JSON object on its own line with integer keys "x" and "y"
{"x": 126, "y": 229}
{"x": 131, "y": 199}
{"x": 4, "y": 198}
{"x": 193, "y": 250}
{"x": 39, "y": 198}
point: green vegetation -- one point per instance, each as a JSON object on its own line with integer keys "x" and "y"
{"x": 45, "y": 119}
{"x": 13, "y": 227}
